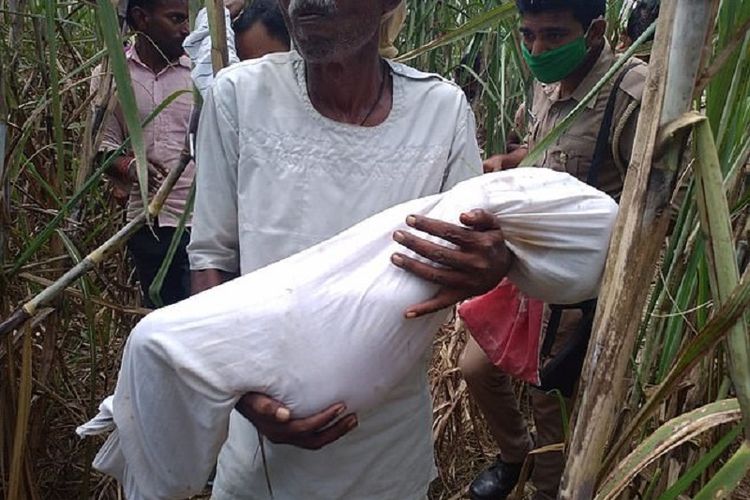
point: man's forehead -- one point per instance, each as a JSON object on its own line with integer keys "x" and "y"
{"x": 171, "y": 5}
{"x": 549, "y": 20}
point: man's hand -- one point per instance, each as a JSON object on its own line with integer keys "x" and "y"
{"x": 126, "y": 170}
{"x": 156, "y": 175}
{"x": 479, "y": 263}
{"x": 512, "y": 159}
{"x": 275, "y": 422}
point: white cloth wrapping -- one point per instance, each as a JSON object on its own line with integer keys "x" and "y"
{"x": 325, "y": 325}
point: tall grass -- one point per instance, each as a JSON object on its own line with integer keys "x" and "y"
{"x": 55, "y": 207}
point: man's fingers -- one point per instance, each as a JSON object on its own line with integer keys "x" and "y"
{"x": 268, "y": 408}
{"x": 480, "y": 220}
{"x": 157, "y": 166}
{"x": 156, "y": 172}
{"x": 443, "y": 299}
{"x": 440, "y": 276}
{"x": 331, "y": 434}
{"x": 316, "y": 422}
{"x": 457, "y": 235}
{"x": 432, "y": 251}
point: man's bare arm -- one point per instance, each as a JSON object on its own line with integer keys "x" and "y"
{"x": 505, "y": 161}
{"x": 208, "y": 278}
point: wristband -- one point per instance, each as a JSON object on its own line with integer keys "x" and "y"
{"x": 125, "y": 171}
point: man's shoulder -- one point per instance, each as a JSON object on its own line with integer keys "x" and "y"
{"x": 634, "y": 80}
{"x": 425, "y": 80}
{"x": 429, "y": 89}
{"x": 269, "y": 68}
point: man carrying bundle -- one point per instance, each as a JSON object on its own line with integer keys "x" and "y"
{"x": 292, "y": 149}
{"x": 566, "y": 50}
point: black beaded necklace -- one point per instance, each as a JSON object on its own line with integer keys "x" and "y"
{"x": 384, "y": 66}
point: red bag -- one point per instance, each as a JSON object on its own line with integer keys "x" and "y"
{"x": 507, "y": 325}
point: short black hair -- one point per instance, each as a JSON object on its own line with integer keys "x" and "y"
{"x": 585, "y": 11}
{"x": 644, "y": 13}
{"x": 266, "y": 12}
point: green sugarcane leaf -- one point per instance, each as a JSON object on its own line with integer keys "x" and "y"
{"x": 92, "y": 181}
{"x": 75, "y": 255}
{"x": 726, "y": 480}
{"x": 723, "y": 270}
{"x": 50, "y": 7}
{"x": 666, "y": 438}
{"x": 154, "y": 291}
{"x": 475, "y": 24}
{"x": 684, "y": 482}
{"x": 722, "y": 321}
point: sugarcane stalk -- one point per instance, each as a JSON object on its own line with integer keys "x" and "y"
{"x": 22, "y": 420}
{"x": 114, "y": 243}
{"x": 4, "y": 202}
{"x": 218, "y": 29}
{"x": 637, "y": 239}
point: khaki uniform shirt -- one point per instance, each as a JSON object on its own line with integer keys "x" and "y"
{"x": 574, "y": 150}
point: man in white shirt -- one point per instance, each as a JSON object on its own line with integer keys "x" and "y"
{"x": 292, "y": 149}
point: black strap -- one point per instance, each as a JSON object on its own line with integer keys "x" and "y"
{"x": 600, "y": 152}
{"x": 602, "y": 140}
{"x": 554, "y": 322}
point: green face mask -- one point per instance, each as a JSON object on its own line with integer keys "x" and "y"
{"x": 556, "y": 64}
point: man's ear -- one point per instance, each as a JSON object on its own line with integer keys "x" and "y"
{"x": 139, "y": 17}
{"x": 596, "y": 32}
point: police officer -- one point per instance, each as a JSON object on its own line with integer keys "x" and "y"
{"x": 565, "y": 48}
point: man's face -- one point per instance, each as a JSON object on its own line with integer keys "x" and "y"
{"x": 546, "y": 31}
{"x": 327, "y": 30}
{"x": 166, "y": 24}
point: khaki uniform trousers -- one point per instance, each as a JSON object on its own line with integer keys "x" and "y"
{"x": 492, "y": 390}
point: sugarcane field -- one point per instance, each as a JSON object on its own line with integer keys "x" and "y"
{"x": 374, "y": 249}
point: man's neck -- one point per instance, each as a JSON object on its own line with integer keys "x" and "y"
{"x": 149, "y": 54}
{"x": 572, "y": 81}
{"x": 347, "y": 90}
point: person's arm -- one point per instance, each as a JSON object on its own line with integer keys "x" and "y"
{"x": 204, "y": 279}
{"x": 214, "y": 239}
{"x": 113, "y": 133}
{"x": 516, "y": 151}
{"x": 481, "y": 259}
{"x": 505, "y": 161}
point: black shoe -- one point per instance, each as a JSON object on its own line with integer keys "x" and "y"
{"x": 497, "y": 482}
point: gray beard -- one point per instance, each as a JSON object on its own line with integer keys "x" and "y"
{"x": 328, "y": 5}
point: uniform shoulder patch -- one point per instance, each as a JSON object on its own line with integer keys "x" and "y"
{"x": 634, "y": 80}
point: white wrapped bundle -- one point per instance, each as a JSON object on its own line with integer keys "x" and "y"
{"x": 325, "y": 325}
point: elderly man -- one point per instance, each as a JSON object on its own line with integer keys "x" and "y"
{"x": 294, "y": 148}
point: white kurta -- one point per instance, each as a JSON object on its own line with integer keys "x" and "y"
{"x": 276, "y": 177}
